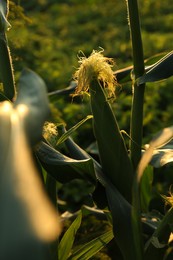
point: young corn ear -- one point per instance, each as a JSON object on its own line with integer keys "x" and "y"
{"x": 95, "y": 74}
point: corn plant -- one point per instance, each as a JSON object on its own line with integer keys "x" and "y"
{"x": 118, "y": 185}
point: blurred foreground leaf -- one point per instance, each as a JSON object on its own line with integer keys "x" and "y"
{"x": 32, "y": 93}
{"x": 28, "y": 221}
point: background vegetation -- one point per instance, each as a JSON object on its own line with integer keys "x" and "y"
{"x": 50, "y": 35}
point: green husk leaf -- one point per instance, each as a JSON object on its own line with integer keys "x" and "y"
{"x": 66, "y": 243}
{"x": 114, "y": 158}
{"x": 91, "y": 248}
{"x": 32, "y": 93}
{"x": 95, "y": 73}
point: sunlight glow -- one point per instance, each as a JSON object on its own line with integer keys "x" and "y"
{"x": 42, "y": 216}
{"x": 5, "y": 107}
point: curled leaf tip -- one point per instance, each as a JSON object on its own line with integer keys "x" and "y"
{"x": 95, "y": 67}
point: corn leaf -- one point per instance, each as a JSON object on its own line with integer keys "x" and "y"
{"x": 114, "y": 158}
{"x": 91, "y": 248}
{"x": 66, "y": 243}
{"x": 122, "y": 226}
{"x": 63, "y": 168}
{"x": 72, "y": 130}
{"x": 161, "y": 70}
{"x": 124, "y": 75}
{"x": 66, "y": 91}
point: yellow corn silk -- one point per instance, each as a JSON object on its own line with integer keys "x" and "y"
{"x": 98, "y": 67}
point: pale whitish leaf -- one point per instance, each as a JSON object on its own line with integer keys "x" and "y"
{"x": 161, "y": 139}
{"x": 163, "y": 155}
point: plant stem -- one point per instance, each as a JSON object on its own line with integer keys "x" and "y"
{"x": 136, "y": 127}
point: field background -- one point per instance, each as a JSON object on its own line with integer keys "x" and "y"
{"x": 47, "y": 35}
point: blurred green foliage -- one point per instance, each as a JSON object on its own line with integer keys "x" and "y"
{"x": 51, "y": 33}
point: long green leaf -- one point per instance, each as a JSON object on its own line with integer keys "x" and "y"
{"x": 122, "y": 224}
{"x": 32, "y": 93}
{"x": 72, "y": 130}
{"x": 161, "y": 70}
{"x": 88, "y": 250}
{"x": 124, "y": 75}
{"x": 63, "y": 168}
{"x": 113, "y": 154}
{"x": 66, "y": 91}
{"x": 66, "y": 243}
